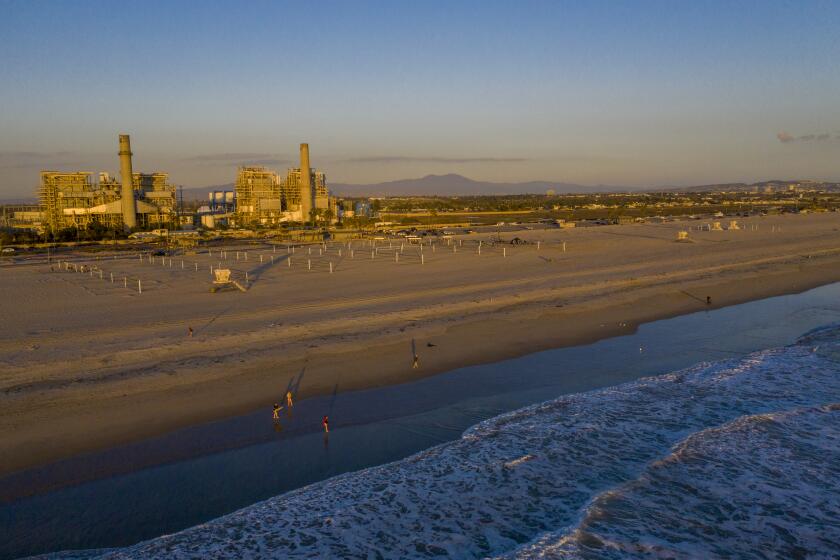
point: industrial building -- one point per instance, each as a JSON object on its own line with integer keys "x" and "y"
{"x": 220, "y": 208}
{"x": 138, "y": 200}
{"x": 263, "y": 197}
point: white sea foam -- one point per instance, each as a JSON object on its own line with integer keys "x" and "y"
{"x": 737, "y": 458}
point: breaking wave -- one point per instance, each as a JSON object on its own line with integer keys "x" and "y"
{"x": 739, "y": 458}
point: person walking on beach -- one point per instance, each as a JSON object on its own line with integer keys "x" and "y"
{"x": 276, "y": 415}
{"x": 289, "y": 399}
{"x": 326, "y": 423}
{"x": 416, "y": 363}
{"x": 189, "y": 331}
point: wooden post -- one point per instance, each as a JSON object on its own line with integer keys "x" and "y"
{"x": 125, "y": 282}
{"x": 422, "y": 259}
{"x": 504, "y": 251}
{"x": 309, "y": 264}
{"x": 112, "y": 278}
{"x": 331, "y": 267}
{"x": 564, "y": 246}
{"x": 290, "y": 262}
{"x": 139, "y": 287}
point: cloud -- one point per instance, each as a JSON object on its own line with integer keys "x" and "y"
{"x": 786, "y": 138}
{"x": 38, "y": 160}
{"x": 409, "y": 159}
{"x": 238, "y": 158}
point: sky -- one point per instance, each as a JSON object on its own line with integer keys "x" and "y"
{"x": 637, "y": 93}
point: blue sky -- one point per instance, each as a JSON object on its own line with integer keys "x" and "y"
{"x": 622, "y": 93}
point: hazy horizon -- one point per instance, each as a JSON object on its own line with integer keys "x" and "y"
{"x": 641, "y": 94}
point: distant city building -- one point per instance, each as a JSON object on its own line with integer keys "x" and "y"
{"x": 73, "y": 199}
{"x": 301, "y": 196}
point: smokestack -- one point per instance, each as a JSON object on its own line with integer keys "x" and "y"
{"x": 129, "y": 207}
{"x": 306, "y": 193}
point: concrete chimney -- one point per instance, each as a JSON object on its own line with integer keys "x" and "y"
{"x": 307, "y": 195}
{"x": 129, "y": 206}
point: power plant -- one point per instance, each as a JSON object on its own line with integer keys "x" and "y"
{"x": 146, "y": 200}
{"x": 129, "y": 205}
{"x": 73, "y": 200}
{"x": 262, "y": 197}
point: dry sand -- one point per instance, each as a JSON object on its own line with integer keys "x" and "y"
{"x": 86, "y": 364}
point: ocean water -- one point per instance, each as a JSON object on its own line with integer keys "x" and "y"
{"x": 734, "y": 458}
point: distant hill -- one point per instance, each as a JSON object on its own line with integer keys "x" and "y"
{"x": 776, "y": 185}
{"x": 31, "y": 201}
{"x": 453, "y": 184}
{"x": 450, "y": 184}
{"x": 200, "y": 193}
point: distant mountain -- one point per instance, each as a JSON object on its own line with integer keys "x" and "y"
{"x": 453, "y": 184}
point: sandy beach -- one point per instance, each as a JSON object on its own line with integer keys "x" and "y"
{"x": 87, "y": 363}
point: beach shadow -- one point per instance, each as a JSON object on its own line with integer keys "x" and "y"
{"x": 332, "y": 400}
{"x": 255, "y": 274}
{"x": 212, "y": 320}
{"x": 294, "y": 382}
{"x": 701, "y": 300}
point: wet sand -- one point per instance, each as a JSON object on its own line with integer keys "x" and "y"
{"x": 86, "y": 364}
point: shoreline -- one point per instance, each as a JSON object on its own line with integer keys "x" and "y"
{"x": 525, "y": 316}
